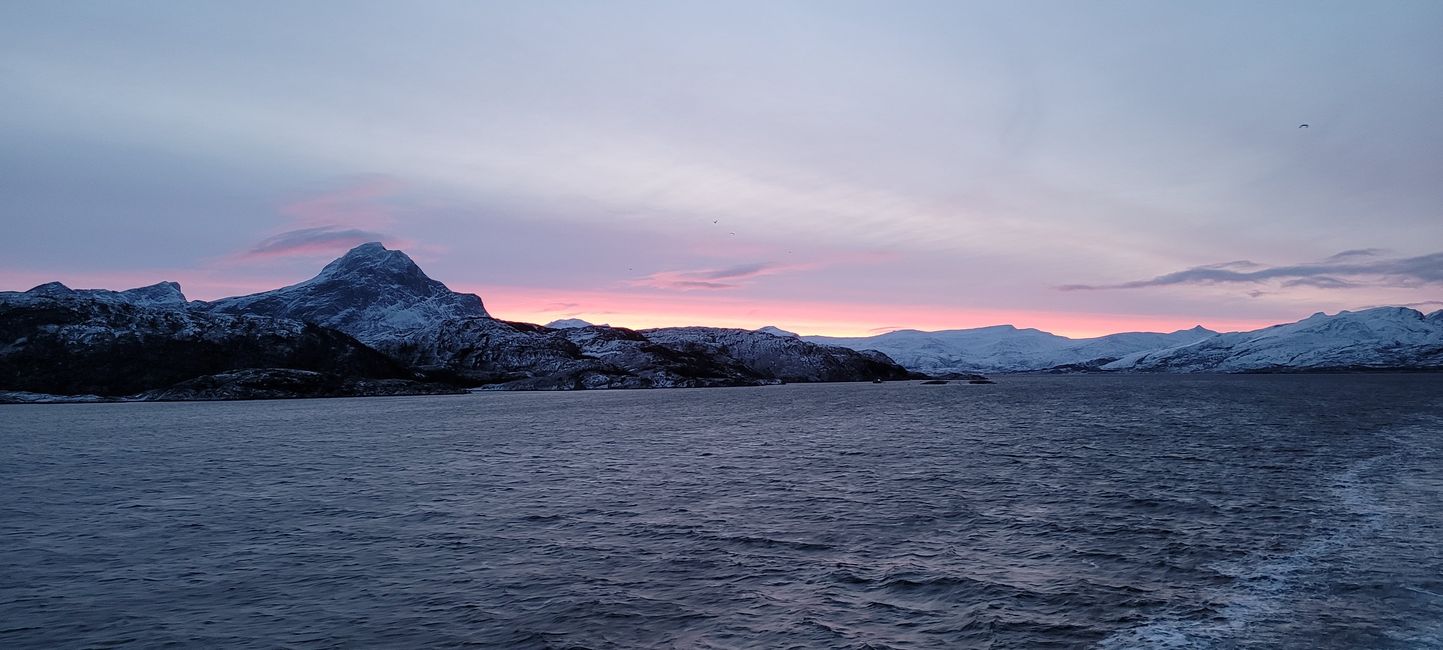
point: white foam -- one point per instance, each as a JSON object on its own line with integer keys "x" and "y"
{"x": 1261, "y": 588}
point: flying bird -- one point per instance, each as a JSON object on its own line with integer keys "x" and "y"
{"x": 1302, "y": 126}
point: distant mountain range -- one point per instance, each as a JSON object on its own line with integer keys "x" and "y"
{"x": 1004, "y": 348}
{"x": 1373, "y": 339}
{"x": 1385, "y": 338}
{"x": 370, "y": 323}
{"x": 373, "y": 323}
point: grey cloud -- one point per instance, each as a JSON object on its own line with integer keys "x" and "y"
{"x": 1411, "y": 305}
{"x": 1320, "y": 282}
{"x": 1356, "y": 252}
{"x": 1351, "y": 268}
{"x": 1236, "y": 264}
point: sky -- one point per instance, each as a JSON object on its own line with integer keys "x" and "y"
{"x": 830, "y": 167}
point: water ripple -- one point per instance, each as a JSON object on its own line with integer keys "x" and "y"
{"x": 1040, "y": 512}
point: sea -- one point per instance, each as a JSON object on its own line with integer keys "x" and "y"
{"x": 1089, "y": 511}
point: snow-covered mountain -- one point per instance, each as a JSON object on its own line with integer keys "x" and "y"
{"x": 371, "y": 293}
{"x": 373, "y": 323}
{"x": 302, "y": 340}
{"x": 1004, "y": 348}
{"x": 383, "y": 299}
{"x": 1385, "y": 337}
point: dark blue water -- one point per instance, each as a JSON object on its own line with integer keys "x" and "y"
{"x": 1040, "y": 512}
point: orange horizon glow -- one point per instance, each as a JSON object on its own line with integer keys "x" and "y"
{"x": 642, "y": 311}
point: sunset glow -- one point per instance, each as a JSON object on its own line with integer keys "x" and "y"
{"x": 950, "y": 167}
{"x": 808, "y": 318}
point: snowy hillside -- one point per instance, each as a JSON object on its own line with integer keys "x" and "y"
{"x": 1386, "y": 337}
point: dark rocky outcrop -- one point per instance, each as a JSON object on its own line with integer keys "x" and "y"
{"x": 782, "y": 357}
{"x": 528, "y": 357}
{"x": 71, "y": 343}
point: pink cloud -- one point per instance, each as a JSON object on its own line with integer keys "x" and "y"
{"x": 333, "y": 221}
{"x": 361, "y": 203}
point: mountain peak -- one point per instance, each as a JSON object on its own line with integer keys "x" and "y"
{"x": 51, "y": 289}
{"x": 372, "y": 293}
{"x": 373, "y": 251}
{"x": 158, "y": 294}
{"x": 370, "y": 247}
{"x": 374, "y": 258}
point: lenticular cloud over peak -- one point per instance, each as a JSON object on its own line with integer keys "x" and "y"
{"x": 321, "y": 239}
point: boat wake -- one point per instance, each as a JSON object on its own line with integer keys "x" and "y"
{"x": 1263, "y": 587}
